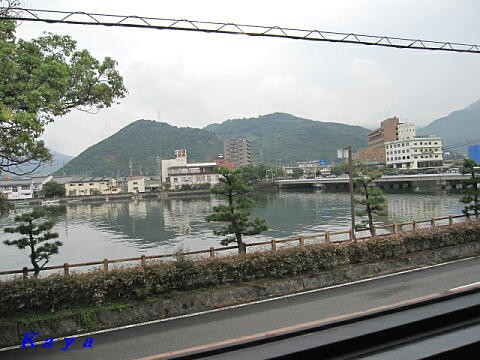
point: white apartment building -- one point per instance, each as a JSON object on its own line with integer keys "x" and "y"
{"x": 180, "y": 160}
{"x": 414, "y": 153}
{"x": 23, "y": 188}
{"x": 193, "y": 174}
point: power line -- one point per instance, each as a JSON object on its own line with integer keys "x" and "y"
{"x": 133, "y": 21}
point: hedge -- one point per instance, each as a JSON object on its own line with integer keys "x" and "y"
{"x": 57, "y": 292}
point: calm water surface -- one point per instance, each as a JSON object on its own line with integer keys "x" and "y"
{"x": 117, "y": 229}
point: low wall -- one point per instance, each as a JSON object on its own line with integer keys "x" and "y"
{"x": 78, "y": 321}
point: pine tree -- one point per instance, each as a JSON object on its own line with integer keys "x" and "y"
{"x": 32, "y": 227}
{"x": 237, "y": 213}
{"x": 373, "y": 200}
{"x": 471, "y": 189}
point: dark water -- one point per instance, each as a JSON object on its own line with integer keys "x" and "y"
{"x": 129, "y": 228}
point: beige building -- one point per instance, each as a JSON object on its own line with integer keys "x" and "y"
{"x": 135, "y": 184}
{"x": 180, "y": 160}
{"x": 238, "y": 151}
{"x": 375, "y": 150}
{"x": 90, "y": 186}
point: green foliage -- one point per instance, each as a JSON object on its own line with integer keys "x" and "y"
{"x": 57, "y": 293}
{"x": 142, "y": 141}
{"x": 297, "y": 172}
{"x": 471, "y": 189}
{"x": 5, "y": 205}
{"x": 53, "y": 189}
{"x": 42, "y": 79}
{"x": 373, "y": 200}
{"x": 237, "y": 213}
{"x": 273, "y": 137}
{"x": 284, "y": 136}
{"x": 37, "y": 234}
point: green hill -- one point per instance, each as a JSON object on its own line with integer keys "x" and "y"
{"x": 274, "y": 137}
{"x": 289, "y": 138}
{"x": 141, "y": 142}
{"x": 459, "y": 127}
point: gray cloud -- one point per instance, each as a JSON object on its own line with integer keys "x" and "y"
{"x": 192, "y": 79}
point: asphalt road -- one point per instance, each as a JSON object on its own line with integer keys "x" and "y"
{"x": 176, "y": 334}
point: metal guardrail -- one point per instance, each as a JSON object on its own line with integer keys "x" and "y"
{"x": 326, "y": 237}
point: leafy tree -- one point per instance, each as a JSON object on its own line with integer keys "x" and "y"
{"x": 237, "y": 213}
{"x": 297, "y": 172}
{"x": 471, "y": 189}
{"x": 40, "y": 80}
{"x": 52, "y": 189}
{"x": 32, "y": 228}
{"x": 373, "y": 200}
{"x": 5, "y": 205}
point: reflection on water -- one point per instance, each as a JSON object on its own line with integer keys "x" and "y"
{"x": 128, "y": 228}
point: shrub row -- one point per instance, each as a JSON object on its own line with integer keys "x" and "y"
{"x": 58, "y": 292}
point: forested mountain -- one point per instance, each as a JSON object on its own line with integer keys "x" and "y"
{"x": 290, "y": 138}
{"x": 142, "y": 142}
{"x": 276, "y": 137}
{"x": 456, "y": 128}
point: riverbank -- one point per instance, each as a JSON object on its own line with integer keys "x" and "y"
{"x": 131, "y": 296}
{"x": 258, "y": 188}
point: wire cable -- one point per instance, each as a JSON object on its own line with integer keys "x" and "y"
{"x": 133, "y": 21}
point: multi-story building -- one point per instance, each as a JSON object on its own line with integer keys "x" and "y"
{"x": 23, "y": 188}
{"x": 238, "y": 151}
{"x": 135, "y": 184}
{"x": 414, "y": 152}
{"x": 193, "y": 174}
{"x": 180, "y": 160}
{"x": 375, "y": 150}
{"x": 83, "y": 186}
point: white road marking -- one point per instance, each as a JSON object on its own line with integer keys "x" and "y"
{"x": 151, "y": 322}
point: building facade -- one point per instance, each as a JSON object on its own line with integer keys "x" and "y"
{"x": 180, "y": 160}
{"x": 375, "y": 150}
{"x": 238, "y": 151}
{"x": 23, "y": 188}
{"x": 84, "y": 186}
{"x": 193, "y": 174}
{"x": 135, "y": 184}
{"x": 414, "y": 153}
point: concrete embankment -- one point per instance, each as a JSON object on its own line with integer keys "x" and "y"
{"x": 79, "y": 321}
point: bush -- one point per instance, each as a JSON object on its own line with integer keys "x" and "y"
{"x": 160, "y": 279}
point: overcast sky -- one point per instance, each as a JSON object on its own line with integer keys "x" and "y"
{"x": 195, "y": 79}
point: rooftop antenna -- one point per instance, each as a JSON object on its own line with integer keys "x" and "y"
{"x": 130, "y": 166}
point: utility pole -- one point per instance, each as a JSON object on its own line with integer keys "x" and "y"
{"x": 352, "y": 199}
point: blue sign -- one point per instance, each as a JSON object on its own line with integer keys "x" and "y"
{"x": 322, "y": 162}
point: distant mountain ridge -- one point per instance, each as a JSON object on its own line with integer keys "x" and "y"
{"x": 458, "y": 127}
{"x": 58, "y": 161}
{"x": 277, "y": 137}
{"x": 286, "y": 138}
{"x": 140, "y": 144}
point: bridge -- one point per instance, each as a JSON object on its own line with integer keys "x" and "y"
{"x": 443, "y": 181}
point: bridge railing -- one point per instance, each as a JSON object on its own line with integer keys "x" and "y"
{"x": 334, "y": 237}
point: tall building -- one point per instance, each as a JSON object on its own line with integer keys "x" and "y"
{"x": 375, "y": 150}
{"x": 237, "y": 151}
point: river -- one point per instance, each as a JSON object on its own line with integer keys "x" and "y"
{"x": 115, "y": 229}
